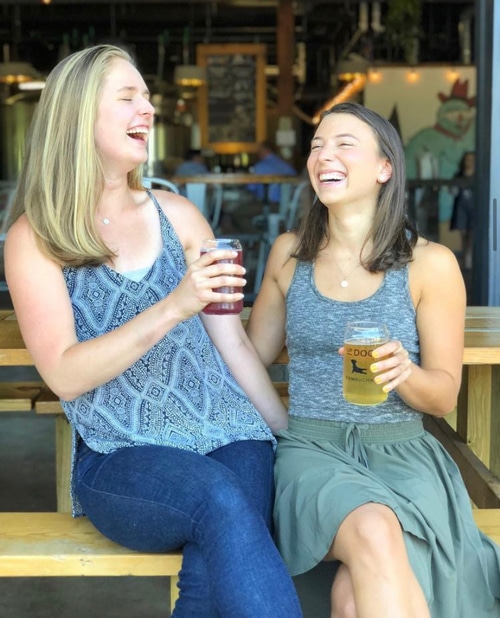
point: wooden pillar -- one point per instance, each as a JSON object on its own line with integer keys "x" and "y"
{"x": 285, "y": 42}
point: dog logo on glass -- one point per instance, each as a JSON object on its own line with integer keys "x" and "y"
{"x": 356, "y": 369}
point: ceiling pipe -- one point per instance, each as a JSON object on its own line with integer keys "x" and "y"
{"x": 464, "y": 31}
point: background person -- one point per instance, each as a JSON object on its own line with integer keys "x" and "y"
{"x": 241, "y": 215}
{"x": 193, "y": 164}
{"x": 367, "y": 486}
{"x": 107, "y": 282}
{"x": 269, "y": 163}
{"x": 462, "y": 216}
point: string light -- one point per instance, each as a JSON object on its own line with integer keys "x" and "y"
{"x": 452, "y": 75}
{"x": 356, "y": 84}
{"x": 374, "y": 76}
{"x": 413, "y": 76}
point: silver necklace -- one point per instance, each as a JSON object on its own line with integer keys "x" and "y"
{"x": 344, "y": 283}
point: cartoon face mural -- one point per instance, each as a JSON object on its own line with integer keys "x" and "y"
{"x": 436, "y": 151}
{"x": 452, "y": 135}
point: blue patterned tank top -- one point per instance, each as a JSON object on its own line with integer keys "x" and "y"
{"x": 315, "y": 327}
{"x": 180, "y": 393}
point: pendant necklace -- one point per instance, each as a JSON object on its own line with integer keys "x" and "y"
{"x": 344, "y": 283}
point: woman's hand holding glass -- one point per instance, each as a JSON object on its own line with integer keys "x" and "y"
{"x": 395, "y": 366}
{"x": 391, "y": 367}
{"x": 212, "y": 270}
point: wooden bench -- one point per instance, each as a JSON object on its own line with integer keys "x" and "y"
{"x": 19, "y": 396}
{"x": 58, "y": 545}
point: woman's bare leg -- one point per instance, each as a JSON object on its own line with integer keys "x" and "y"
{"x": 342, "y": 595}
{"x": 370, "y": 544}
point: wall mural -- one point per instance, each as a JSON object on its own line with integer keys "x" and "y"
{"x": 434, "y": 110}
{"x": 447, "y": 140}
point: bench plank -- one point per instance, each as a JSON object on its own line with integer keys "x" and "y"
{"x": 18, "y": 396}
{"x": 58, "y": 545}
{"x": 488, "y": 521}
{"x": 482, "y": 485}
{"x": 47, "y": 402}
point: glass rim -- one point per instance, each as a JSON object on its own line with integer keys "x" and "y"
{"x": 231, "y": 243}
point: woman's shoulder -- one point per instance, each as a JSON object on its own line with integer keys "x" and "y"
{"x": 186, "y": 219}
{"x": 20, "y": 231}
{"x": 427, "y": 253}
{"x": 168, "y": 200}
{"x": 178, "y": 209}
{"x": 281, "y": 264}
{"x": 283, "y": 248}
{"x": 435, "y": 269}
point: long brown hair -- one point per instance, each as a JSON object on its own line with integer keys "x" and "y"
{"x": 392, "y": 234}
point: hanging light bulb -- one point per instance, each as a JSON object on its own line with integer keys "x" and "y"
{"x": 186, "y": 74}
{"x": 190, "y": 75}
{"x": 17, "y": 73}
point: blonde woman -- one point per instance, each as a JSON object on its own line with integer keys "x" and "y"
{"x": 172, "y": 411}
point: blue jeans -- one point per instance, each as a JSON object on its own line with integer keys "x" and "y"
{"x": 217, "y": 507}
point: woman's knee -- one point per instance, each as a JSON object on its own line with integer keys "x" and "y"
{"x": 370, "y": 530}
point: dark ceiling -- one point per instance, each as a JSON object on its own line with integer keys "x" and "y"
{"x": 161, "y": 33}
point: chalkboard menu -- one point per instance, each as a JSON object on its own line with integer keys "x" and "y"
{"x": 231, "y": 106}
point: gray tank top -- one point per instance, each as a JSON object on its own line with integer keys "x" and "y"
{"x": 315, "y": 327}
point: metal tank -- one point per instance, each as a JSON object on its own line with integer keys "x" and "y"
{"x": 16, "y": 112}
{"x": 169, "y": 139}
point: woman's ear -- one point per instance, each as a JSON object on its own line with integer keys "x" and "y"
{"x": 385, "y": 172}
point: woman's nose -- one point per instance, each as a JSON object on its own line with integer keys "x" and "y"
{"x": 326, "y": 153}
{"x": 147, "y": 108}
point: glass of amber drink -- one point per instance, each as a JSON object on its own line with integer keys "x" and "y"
{"x": 360, "y": 339}
{"x": 224, "y": 243}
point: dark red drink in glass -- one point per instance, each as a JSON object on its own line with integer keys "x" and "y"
{"x": 234, "y": 245}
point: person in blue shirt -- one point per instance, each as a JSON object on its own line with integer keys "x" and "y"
{"x": 192, "y": 165}
{"x": 269, "y": 163}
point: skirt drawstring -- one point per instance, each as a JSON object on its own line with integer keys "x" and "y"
{"x": 354, "y": 446}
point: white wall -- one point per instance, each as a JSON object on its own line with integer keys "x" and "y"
{"x": 417, "y": 102}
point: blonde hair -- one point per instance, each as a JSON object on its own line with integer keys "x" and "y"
{"x": 62, "y": 178}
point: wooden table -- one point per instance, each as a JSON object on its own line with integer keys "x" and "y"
{"x": 241, "y": 180}
{"x": 478, "y": 411}
{"x": 268, "y": 214}
{"x": 237, "y": 179}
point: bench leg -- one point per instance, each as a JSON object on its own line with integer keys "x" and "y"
{"x": 63, "y": 472}
{"x": 63, "y": 464}
{"x": 174, "y": 592}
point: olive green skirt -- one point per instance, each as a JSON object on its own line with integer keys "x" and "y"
{"x": 325, "y": 469}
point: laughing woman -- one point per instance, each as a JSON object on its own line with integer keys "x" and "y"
{"x": 171, "y": 410}
{"x": 367, "y": 486}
